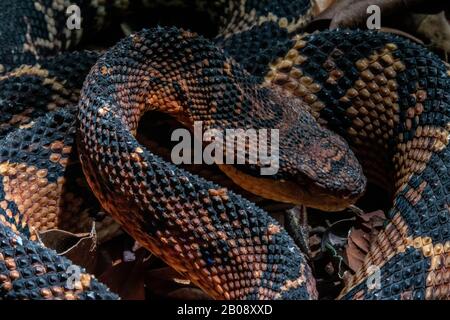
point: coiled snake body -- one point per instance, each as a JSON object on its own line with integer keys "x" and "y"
{"x": 386, "y": 96}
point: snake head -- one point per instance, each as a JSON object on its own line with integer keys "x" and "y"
{"x": 316, "y": 167}
{"x": 324, "y": 171}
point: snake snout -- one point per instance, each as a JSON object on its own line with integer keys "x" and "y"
{"x": 328, "y": 171}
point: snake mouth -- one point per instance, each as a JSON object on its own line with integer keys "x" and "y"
{"x": 322, "y": 197}
{"x": 304, "y": 191}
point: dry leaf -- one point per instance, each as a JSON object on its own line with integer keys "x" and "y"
{"x": 127, "y": 278}
{"x": 80, "y": 248}
{"x": 366, "y": 228}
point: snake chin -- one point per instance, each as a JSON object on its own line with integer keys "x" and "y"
{"x": 315, "y": 196}
{"x": 302, "y": 192}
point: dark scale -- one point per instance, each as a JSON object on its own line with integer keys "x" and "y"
{"x": 264, "y": 43}
{"x": 393, "y": 281}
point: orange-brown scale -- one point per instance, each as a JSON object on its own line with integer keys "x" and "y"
{"x": 286, "y": 72}
{"x": 374, "y": 111}
{"x": 41, "y": 187}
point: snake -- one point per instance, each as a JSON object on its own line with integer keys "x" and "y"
{"x": 348, "y": 104}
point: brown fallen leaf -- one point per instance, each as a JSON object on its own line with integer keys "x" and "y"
{"x": 80, "y": 248}
{"x": 122, "y": 266}
{"x": 366, "y": 228}
{"x": 361, "y": 239}
{"x": 373, "y": 220}
{"x": 436, "y": 29}
{"x": 320, "y": 6}
{"x": 353, "y": 253}
{"x": 126, "y": 276}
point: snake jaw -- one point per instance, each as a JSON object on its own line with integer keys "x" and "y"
{"x": 302, "y": 192}
{"x": 318, "y": 196}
